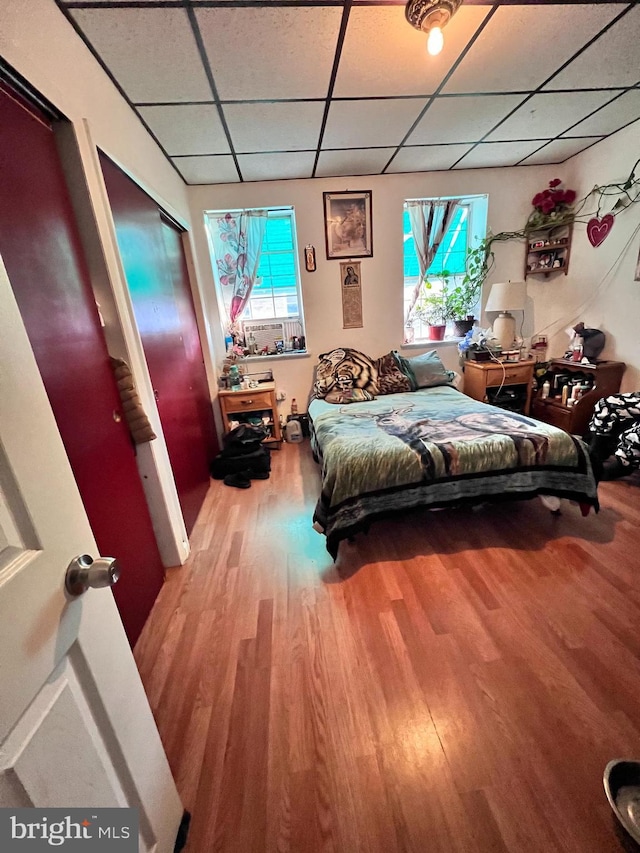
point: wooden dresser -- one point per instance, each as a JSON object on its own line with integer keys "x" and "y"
{"x": 606, "y": 377}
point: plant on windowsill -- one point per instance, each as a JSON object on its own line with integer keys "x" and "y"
{"x": 431, "y": 309}
{"x": 462, "y": 298}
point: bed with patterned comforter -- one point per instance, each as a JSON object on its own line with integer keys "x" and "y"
{"x": 432, "y": 448}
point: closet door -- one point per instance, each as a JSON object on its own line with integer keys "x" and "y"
{"x": 153, "y": 259}
{"x": 40, "y": 246}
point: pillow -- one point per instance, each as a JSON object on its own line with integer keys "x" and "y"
{"x": 353, "y": 395}
{"x": 426, "y": 370}
{"x": 344, "y": 369}
{"x": 390, "y": 378}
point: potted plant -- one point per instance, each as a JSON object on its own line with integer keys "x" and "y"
{"x": 463, "y": 297}
{"x": 431, "y": 309}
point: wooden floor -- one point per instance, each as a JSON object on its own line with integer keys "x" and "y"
{"x": 457, "y": 681}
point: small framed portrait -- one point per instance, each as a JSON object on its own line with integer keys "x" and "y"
{"x": 347, "y": 224}
{"x": 310, "y": 258}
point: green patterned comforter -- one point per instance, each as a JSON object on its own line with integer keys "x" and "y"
{"x": 435, "y": 447}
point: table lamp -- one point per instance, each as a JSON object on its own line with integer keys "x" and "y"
{"x": 506, "y": 297}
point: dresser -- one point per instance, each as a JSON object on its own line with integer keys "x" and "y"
{"x": 605, "y": 378}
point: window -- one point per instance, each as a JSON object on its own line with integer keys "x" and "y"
{"x": 466, "y": 229}
{"x": 276, "y": 294}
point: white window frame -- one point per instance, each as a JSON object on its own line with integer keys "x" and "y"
{"x": 476, "y": 231}
{"x": 293, "y": 321}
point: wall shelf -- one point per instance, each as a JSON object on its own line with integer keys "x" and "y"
{"x": 548, "y": 250}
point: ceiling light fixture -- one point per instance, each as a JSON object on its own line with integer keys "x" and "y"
{"x": 430, "y": 16}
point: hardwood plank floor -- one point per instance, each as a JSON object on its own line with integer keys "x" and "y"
{"x": 456, "y": 682}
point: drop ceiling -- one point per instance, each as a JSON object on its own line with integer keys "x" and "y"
{"x": 259, "y": 90}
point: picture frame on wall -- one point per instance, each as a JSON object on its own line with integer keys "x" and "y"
{"x": 348, "y": 224}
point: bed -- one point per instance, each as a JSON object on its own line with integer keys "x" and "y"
{"x": 431, "y": 447}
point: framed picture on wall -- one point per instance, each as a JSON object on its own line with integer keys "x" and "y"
{"x": 347, "y": 224}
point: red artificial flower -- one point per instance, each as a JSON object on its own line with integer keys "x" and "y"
{"x": 537, "y": 199}
{"x": 547, "y": 205}
{"x": 555, "y": 182}
{"x": 569, "y": 196}
{"x": 546, "y": 193}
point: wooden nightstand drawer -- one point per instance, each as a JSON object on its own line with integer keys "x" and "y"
{"x": 247, "y": 401}
{"x": 511, "y": 375}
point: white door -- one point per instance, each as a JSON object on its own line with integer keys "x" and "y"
{"x": 76, "y": 729}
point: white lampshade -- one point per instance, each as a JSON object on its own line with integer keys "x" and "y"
{"x": 506, "y": 297}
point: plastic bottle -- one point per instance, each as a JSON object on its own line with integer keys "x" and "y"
{"x": 235, "y": 381}
{"x": 294, "y": 407}
{"x": 294, "y": 432}
{"x": 546, "y": 388}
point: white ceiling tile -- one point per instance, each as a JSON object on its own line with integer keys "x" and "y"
{"x": 610, "y": 61}
{"x": 549, "y": 114}
{"x": 464, "y": 119}
{"x": 276, "y": 167}
{"x": 187, "y": 128}
{"x": 208, "y": 170}
{"x": 611, "y": 117}
{"x": 270, "y": 52}
{"x": 488, "y": 155}
{"x": 427, "y": 158}
{"x": 384, "y": 55}
{"x": 522, "y": 45}
{"x": 274, "y": 127}
{"x": 360, "y": 124}
{"x": 559, "y": 151}
{"x": 152, "y": 53}
{"x": 360, "y": 161}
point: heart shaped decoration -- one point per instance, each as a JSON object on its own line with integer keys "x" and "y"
{"x": 598, "y": 229}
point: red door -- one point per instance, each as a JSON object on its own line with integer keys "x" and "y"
{"x": 153, "y": 259}
{"x": 41, "y": 249}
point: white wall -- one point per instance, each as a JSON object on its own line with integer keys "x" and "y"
{"x": 39, "y": 42}
{"x": 509, "y": 190}
{"x": 599, "y": 289}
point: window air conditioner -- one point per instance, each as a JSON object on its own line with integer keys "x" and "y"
{"x": 265, "y": 333}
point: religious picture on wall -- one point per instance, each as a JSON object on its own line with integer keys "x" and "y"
{"x": 347, "y": 224}
{"x": 309, "y": 258}
{"x": 351, "y": 282}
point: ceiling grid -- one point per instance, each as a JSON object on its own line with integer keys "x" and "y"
{"x": 255, "y": 90}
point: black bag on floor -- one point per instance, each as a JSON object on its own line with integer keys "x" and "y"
{"x": 245, "y": 438}
{"x": 257, "y": 462}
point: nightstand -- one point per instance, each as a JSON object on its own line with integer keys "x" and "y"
{"x": 506, "y": 384}
{"x": 251, "y": 402}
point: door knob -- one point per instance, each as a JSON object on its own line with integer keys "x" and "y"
{"x": 84, "y": 572}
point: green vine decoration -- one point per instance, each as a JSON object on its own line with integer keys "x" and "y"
{"x": 481, "y": 259}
